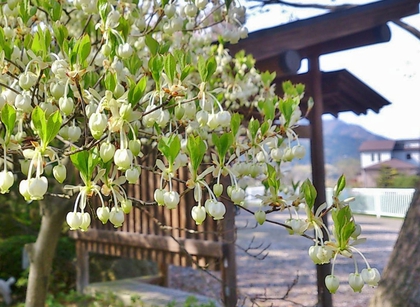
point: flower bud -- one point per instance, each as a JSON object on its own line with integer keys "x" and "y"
{"x": 124, "y": 51}
{"x": 170, "y": 10}
{"x": 57, "y": 90}
{"x": 116, "y": 217}
{"x": 190, "y": 10}
{"x": 60, "y": 173}
{"x": 202, "y": 117}
{"x": 23, "y": 103}
{"x": 218, "y": 189}
{"x": 126, "y": 206}
{"x": 135, "y": 147}
{"x": 103, "y": 214}
{"x": 260, "y": 216}
{"x": 198, "y": 214}
{"x": 332, "y": 283}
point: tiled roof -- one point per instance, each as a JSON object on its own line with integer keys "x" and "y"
{"x": 393, "y": 163}
{"x": 377, "y": 145}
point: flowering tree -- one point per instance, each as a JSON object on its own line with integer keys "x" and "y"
{"x": 95, "y": 85}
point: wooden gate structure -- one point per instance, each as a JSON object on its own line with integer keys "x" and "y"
{"x": 168, "y": 237}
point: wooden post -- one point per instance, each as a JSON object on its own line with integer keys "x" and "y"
{"x": 228, "y": 266}
{"x": 82, "y": 269}
{"x": 318, "y": 168}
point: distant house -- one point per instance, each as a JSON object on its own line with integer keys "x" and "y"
{"x": 401, "y": 155}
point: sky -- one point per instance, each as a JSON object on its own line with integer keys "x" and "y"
{"x": 392, "y": 69}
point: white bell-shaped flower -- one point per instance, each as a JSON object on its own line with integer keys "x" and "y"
{"x": 116, "y": 216}
{"x": 85, "y": 217}
{"x": 23, "y": 189}
{"x": 159, "y": 196}
{"x": 332, "y": 283}
{"x": 103, "y": 214}
{"x": 123, "y": 158}
{"x": 198, "y": 214}
{"x": 237, "y": 195}
{"x": 217, "y": 210}
{"x": 37, "y": 187}
{"x": 298, "y": 151}
{"x": 132, "y": 175}
{"x": 356, "y": 282}
{"x": 171, "y": 199}
{"x": 106, "y": 151}
{"x": 97, "y": 124}
{"x": 371, "y": 276}
{"x": 74, "y": 220}
{"x": 6, "y": 181}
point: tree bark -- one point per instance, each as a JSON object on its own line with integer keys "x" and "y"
{"x": 41, "y": 253}
{"x": 400, "y": 280}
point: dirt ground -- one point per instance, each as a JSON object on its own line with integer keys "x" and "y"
{"x": 265, "y": 282}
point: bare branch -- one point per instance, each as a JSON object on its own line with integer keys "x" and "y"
{"x": 408, "y": 28}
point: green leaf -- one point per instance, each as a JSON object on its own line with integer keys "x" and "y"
{"x": 309, "y": 193}
{"x": 268, "y": 108}
{"x": 253, "y": 127}
{"x": 196, "y": 149}
{"x": 8, "y": 118}
{"x": 55, "y": 10}
{"x": 136, "y": 91}
{"x": 170, "y": 147}
{"x": 53, "y": 126}
{"x": 40, "y": 123}
{"x": 25, "y": 11}
{"x": 344, "y": 225}
{"x": 156, "y": 67}
{"x": 286, "y": 107}
{"x": 110, "y": 81}
{"x": 222, "y": 143}
{"x": 186, "y": 71}
{"x": 341, "y": 184}
{"x": 264, "y": 127}
{"x": 202, "y": 68}
{"x": 211, "y": 66}
{"x": 85, "y": 162}
{"x": 170, "y": 67}
{"x": 267, "y": 78}
{"x": 152, "y": 44}
{"x": 272, "y": 180}
{"x": 235, "y": 123}
{"x": 83, "y": 47}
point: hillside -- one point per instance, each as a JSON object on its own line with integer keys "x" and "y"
{"x": 341, "y": 141}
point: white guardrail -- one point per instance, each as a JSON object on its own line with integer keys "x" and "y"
{"x": 372, "y": 201}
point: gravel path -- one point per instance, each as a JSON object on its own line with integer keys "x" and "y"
{"x": 264, "y": 282}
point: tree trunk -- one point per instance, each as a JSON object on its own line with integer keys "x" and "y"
{"x": 41, "y": 253}
{"x": 400, "y": 280}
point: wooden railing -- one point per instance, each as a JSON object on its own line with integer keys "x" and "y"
{"x": 372, "y": 201}
{"x": 379, "y": 202}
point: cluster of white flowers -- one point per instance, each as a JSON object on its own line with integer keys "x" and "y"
{"x": 98, "y": 84}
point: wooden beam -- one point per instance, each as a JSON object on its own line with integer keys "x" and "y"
{"x": 152, "y": 242}
{"x": 302, "y": 34}
{"x": 376, "y": 35}
{"x": 318, "y": 170}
